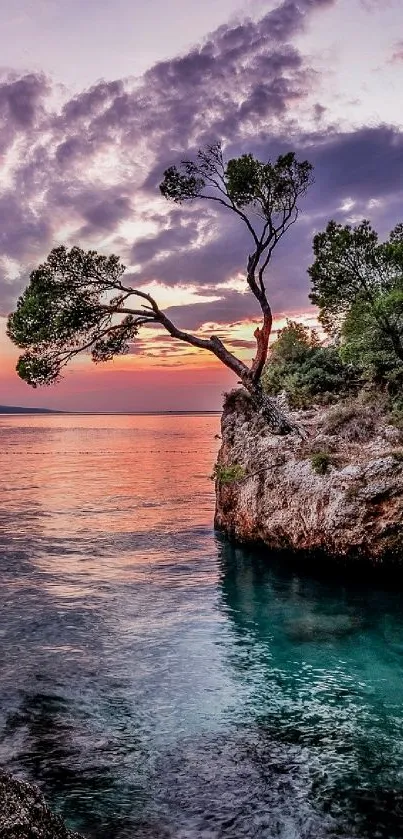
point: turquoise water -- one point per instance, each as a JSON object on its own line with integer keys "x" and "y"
{"x": 158, "y": 682}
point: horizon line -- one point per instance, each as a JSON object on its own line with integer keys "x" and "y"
{"x": 15, "y": 410}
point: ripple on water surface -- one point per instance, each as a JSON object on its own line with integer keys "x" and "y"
{"x": 159, "y": 683}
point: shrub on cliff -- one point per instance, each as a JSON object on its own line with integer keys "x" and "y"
{"x": 307, "y": 371}
{"x": 320, "y": 462}
{"x": 228, "y": 474}
{"x": 357, "y": 284}
{"x": 370, "y": 348}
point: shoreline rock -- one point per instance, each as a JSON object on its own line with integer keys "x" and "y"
{"x": 24, "y": 813}
{"x": 337, "y": 495}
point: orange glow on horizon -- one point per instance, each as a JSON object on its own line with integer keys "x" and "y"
{"x": 161, "y": 351}
{"x": 163, "y": 373}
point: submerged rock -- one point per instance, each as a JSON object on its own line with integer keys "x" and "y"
{"x": 316, "y": 628}
{"x": 335, "y": 491}
{"x": 25, "y": 815}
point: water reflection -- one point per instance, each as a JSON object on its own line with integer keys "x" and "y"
{"x": 158, "y": 682}
{"x": 84, "y": 784}
{"x": 115, "y": 473}
{"x": 325, "y": 668}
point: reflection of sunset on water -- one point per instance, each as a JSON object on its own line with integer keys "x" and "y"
{"x": 96, "y": 480}
{"x": 154, "y": 675}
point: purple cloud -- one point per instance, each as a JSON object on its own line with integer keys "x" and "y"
{"x": 21, "y": 106}
{"x": 242, "y": 85}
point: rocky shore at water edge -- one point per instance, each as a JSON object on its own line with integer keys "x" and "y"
{"x": 336, "y": 491}
{"x": 24, "y": 813}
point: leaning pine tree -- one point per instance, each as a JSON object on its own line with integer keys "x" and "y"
{"x": 78, "y": 301}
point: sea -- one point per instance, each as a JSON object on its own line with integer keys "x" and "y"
{"x": 158, "y": 681}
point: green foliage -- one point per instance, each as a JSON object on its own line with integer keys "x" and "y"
{"x": 244, "y": 183}
{"x": 305, "y": 370}
{"x": 357, "y": 284}
{"x": 293, "y": 342}
{"x": 369, "y": 346}
{"x": 67, "y": 308}
{"x": 341, "y": 254}
{"x": 268, "y": 186}
{"x": 182, "y": 186}
{"x": 228, "y": 474}
{"x": 244, "y": 178}
{"x": 320, "y": 462}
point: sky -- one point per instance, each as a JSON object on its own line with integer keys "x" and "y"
{"x": 98, "y": 98}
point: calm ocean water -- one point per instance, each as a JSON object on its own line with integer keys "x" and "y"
{"x": 158, "y": 682}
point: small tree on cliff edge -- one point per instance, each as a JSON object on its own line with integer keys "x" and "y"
{"x": 357, "y": 284}
{"x": 77, "y": 301}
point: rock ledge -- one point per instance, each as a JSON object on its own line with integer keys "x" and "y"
{"x": 354, "y": 509}
{"x": 25, "y": 815}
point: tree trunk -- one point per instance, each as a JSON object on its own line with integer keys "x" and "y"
{"x": 396, "y": 343}
{"x": 250, "y": 377}
{"x": 277, "y": 421}
{"x": 262, "y": 336}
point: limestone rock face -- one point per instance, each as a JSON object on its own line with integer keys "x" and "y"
{"x": 24, "y": 814}
{"x": 338, "y": 491}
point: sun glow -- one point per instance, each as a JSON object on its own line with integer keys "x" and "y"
{"x": 167, "y": 296}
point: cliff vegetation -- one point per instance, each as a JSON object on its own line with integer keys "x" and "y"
{"x": 336, "y": 487}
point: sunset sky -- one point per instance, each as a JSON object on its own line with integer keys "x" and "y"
{"x": 97, "y": 98}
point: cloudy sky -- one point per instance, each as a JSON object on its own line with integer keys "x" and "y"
{"x": 97, "y": 98}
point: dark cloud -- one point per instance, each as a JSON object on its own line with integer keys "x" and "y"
{"x": 21, "y": 106}
{"x": 21, "y": 99}
{"x": 181, "y": 228}
{"x": 73, "y": 149}
{"x": 23, "y": 233}
{"x": 239, "y": 343}
{"x": 104, "y": 215}
{"x": 240, "y": 73}
{"x": 92, "y": 102}
{"x": 239, "y": 79}
{"x": 367, "y": 163}
{"x": 365, "y": 166}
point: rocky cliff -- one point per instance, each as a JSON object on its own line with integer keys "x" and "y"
{"x": 24, "y": 814}
{"x": 336, "y": 491}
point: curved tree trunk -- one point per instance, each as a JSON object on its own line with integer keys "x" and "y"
{"x": 262, "y": 336}
{"x": 276, "y": 420}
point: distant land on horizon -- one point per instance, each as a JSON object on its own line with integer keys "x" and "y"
{"x": 14, "y": 409}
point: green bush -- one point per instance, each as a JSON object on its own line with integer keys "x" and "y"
{"x": 320, "y": 462}
{"x": 357, "y": 285}
{"x": 228, "y": 474}
{"x": 365, "y": 343}
{"x": 305, "y": 370}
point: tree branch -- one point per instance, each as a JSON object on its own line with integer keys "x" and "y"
{"x": 232, "y": 206}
